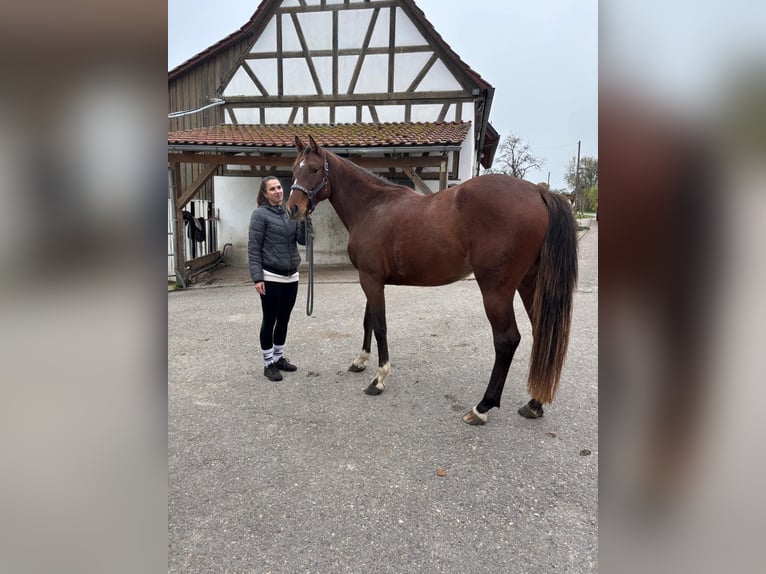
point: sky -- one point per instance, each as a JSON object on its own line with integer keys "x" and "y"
{"x": 541, "y": 57}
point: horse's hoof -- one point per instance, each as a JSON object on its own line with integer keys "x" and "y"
{"x": 530, "y": 412}
{"x": 357, "y": 369}
{"x": 372, "y": 388}
{"x": 473, "y": 417}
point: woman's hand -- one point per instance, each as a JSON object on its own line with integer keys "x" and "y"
{"x": 260, "y": 287}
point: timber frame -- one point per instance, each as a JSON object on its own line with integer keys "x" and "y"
{"x": 308, "y": 63}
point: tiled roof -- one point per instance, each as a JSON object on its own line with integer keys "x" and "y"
{"x": 337, "y": 135}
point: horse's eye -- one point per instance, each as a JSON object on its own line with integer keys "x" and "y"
{"x": 314, "y": 169}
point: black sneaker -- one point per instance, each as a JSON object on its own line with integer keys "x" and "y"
{"x": 284, "y": 365}
{"x": 272, "y": 372}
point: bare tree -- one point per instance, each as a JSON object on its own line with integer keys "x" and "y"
{"x": 514, "y": 158}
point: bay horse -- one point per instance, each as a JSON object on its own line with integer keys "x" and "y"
{"x": 511, "y": 234}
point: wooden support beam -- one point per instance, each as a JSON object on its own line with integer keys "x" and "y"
{"x": 443, "y": 174}
{"x": 419, "y": 183}
{"x": 217, "y": 159}
{"x": 184, "y": 198}
{"x": 287, "y": 161}
{"x": 349, "y": 99}
{"x": 179, "y": 231}
{"x": 194, "y": 265}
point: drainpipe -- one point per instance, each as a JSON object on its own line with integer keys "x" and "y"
{"x": 488, "y": 93}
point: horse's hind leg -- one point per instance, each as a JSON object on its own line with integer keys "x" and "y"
{"x": 534, "y": 408}
{"x": 506, "y": 338}
{"x": 360, "y": 363}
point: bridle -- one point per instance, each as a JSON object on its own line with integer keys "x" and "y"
{"x": 312, "y": 193}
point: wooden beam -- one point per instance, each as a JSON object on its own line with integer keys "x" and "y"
{"x": 443, "y": 174}
{"x": 254, "y": 78}
{"x": 335, "y": 47}
{"x": 184, "y": 198}
{"x": 323, "y": 7}
{"x": 217, "y": 159}
{"x": 419, "y": 183}
{"x": 194, "y": 265}
{"x": 392, "y": 49}
{"x": 400, "y": 162}
{"x": 348, "y": 99}
{"x": 371, "y": 50}
{"x": 287, "y": 161}
{"x": 179, "y": 231}
{"x": 306, "y": 54}
{"x": 422, "y": 74}
{"x": 363, "y": 53}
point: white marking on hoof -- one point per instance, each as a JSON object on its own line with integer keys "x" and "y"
{"x": 361, "y": 361}
{"x": 474, "y": 417}
{"x": 478, "y": 414}
{"x": 383, "y": 372}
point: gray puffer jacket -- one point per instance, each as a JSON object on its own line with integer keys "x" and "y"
{"x": 272, "y": 241}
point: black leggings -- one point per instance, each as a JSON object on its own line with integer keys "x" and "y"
{"x": 277, "y": 304}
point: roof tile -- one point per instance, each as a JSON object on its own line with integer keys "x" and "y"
{"x": 332, "y": 135}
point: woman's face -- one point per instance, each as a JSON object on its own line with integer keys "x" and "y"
{"x": 273, "y": 192}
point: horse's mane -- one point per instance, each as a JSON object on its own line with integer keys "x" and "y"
{"x": 373, "y": 177}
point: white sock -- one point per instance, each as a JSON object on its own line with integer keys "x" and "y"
{"x": 268, "y": 356}
{"x": 279, "y": 350}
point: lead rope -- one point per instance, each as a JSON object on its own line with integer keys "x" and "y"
{"x": 310, "y": 259}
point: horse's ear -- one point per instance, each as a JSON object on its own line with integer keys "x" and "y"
{"x": 313, "y": 144}
{"x": 299, "y": 144}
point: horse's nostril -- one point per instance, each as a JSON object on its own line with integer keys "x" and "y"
{"x": 294, "y": 211}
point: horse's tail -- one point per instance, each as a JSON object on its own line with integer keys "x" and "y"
{"x": 552, "y": 304}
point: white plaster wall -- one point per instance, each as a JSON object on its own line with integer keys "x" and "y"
{"x": 468, "y": 151}
{"x": 330, "y": 237}
{"x": 236, "y": 198}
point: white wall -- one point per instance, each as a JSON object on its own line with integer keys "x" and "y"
{"x": 236, "y": 198}
{"x": 330, "y": 236}
{"x": 468, "y": 153}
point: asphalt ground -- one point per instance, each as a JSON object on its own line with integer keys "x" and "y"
{"x": 311, "y": 475}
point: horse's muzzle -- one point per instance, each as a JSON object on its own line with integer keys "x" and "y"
{"x": 294, "y": 212}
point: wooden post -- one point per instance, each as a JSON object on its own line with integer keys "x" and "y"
{"x": 180, "y": 256}
{"x": 443, "y": 173}
{"x": 415, "y": 178}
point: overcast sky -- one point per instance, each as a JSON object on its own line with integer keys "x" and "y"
{"x": 541, "y": 57}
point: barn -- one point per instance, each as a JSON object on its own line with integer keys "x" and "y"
{"x": 372, "y": 80}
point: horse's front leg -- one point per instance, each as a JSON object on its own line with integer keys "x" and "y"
{"x": 360, "y": 363}
{"x": 376, "y": 305}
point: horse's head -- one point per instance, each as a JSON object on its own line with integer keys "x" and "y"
{"x": 310, "y": 179}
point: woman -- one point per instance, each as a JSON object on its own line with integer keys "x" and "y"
{"x": 273, "y": 257}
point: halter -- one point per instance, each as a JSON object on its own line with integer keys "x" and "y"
{"x": 311, "y": 193}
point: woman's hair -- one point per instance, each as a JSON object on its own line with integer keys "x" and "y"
{"x": 262, "y": 191}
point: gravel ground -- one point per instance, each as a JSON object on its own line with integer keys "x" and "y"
{"x": 312, "y": 475}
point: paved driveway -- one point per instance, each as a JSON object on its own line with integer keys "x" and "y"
{"x": 312, "y": 475}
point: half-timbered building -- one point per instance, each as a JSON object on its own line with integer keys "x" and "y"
{"x": 370, "y": 79}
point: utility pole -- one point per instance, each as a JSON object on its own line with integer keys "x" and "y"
{"x": 577, "y": 180}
